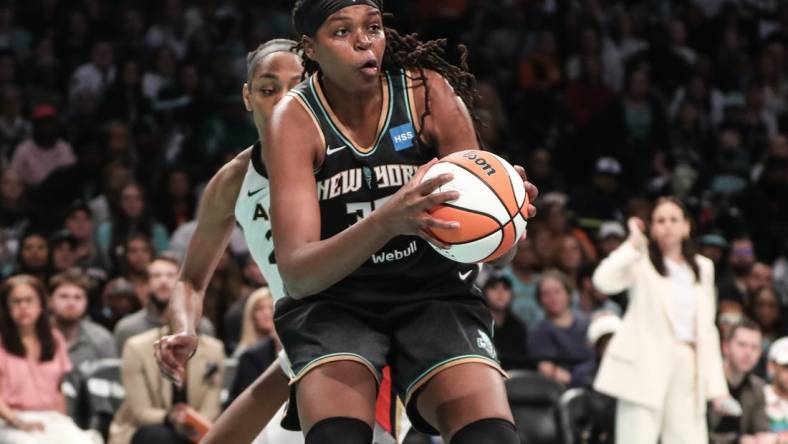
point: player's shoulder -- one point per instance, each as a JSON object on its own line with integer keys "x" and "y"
{"x": 228, "y": 180}
{"x": 433, "y": 80}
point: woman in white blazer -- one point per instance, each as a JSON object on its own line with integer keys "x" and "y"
{"x": 664, "y": 362}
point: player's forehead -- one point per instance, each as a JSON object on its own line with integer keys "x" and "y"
{"x": 352, "y": 13}
{"x": 279, "y": 66}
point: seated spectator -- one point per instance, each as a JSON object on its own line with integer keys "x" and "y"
{"x": 33, "y": 362}
{"x": 776, "y": 393}
{"x": 137, "y": 254}
{"x": 523, "y": 273}
{"x": 62, "y": 251}
{"x": 79, "y": 222}
{"x": 35, "y": 158}
{"x": 32, "y": 257}
{"x": 729, "y": 313}
{"x": 68, "y": 302}
{"x": 258, "y": 328}
{"x": 155, "y": 410}
{"x": 558, "y": 342}
{"x": 118, "y": 300}
{"x": 258, "y": 320}
{"x": 511, "y": 334}
{"x": 732, "y": 283}
{"x": 130, "y": 214}
{"x": 591, "y": 300}
{"x": 15, "y": 213}
{"x": 600, "y": 331}
{"x": 610, "y": 235}
{"x": 598, "y": 425}
{"x": 162, "y": 276}
{"x": 714, "y": 246}
{"x": 766, "y": 313}
{"x": 741, "y": 350}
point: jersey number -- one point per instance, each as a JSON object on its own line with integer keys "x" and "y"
{"x": 363, "y": 209}
{"x": 271, "y": 257}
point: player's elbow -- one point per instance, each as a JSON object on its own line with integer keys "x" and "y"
{"x": 293, "y": 279}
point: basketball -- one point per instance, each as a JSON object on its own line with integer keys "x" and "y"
{"x": 492, "y": 207}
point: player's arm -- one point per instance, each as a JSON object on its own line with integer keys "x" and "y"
{"x": 215, "y": 223}
{"x": 307, "y": 263}
{"x": 449, "y": 128}
{"x": 252, "y": 409}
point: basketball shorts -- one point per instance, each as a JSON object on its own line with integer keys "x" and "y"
{"x": 416, "y": 339}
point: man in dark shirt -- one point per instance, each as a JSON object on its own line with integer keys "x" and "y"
{"x": 741, "y": 351}
{"x": 511, "y": 335}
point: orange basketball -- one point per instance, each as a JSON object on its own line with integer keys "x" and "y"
{"x": 492, "y": 208}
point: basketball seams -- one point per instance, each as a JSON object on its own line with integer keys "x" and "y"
{"x": 506, "y": 207}
{"x": 446, "y": 204}
{"x": 511, "y": 184}
{"x": 500, "y": 243}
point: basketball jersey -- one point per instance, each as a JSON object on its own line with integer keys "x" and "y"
{"x": 252, "y": 213}
{"x": 354, "y": 181}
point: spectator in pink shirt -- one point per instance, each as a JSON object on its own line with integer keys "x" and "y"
{"x": 35, "y": 158}
{"x": 33, "y": 361}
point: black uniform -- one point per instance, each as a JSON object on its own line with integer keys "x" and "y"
{"x": 407, "y": 306}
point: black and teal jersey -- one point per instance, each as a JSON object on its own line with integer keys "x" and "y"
{"x": 354, "y": 181}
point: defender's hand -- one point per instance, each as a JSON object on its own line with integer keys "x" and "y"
{"x": 172, "y": 352}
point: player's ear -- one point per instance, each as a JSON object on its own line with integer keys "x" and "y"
{"x": 246, "y": 92}
{"x": 308, "y": 44}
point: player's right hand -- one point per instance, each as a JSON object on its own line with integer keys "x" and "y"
{"x": 637, "y": 238}
{"x": 172, "y": 352}
{"x": 407, "y": 211}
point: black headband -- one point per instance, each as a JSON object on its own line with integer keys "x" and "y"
{"x": 312, "y": 17}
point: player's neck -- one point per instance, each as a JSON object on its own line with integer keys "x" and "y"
{"x": 353, "y": 106}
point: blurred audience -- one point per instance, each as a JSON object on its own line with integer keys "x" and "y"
{"x": 511, "y": 334}
{"x": 162, "y": 275}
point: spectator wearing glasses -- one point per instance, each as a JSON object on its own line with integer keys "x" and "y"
{"x": 33, "y": 362}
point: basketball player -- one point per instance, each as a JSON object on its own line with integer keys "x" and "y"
{"x": 239, "y": 192}
{"x": 346, "y": 153}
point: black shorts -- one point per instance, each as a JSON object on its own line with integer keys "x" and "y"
{"x": 417, "y": 339}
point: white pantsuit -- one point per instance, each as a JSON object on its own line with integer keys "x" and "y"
{"x": 662, "y": 384}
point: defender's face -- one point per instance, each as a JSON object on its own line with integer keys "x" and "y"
{"x": 273, "y": 77}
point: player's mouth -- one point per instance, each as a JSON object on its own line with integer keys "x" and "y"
{"x": 370, "y": 67}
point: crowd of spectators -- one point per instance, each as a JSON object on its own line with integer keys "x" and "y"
{"x": 113, "y": 114}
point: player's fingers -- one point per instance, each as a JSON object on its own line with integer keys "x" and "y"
{"x": 429, "y": 237}
{"x": 531, "y": 210}
{"x": 636, "y": 225}
{"x": 434, "y": 199}
{"x": 431, "y": 222}
{"x": 521, "y": 171}
{"x": 532, "y": 190}
{"x": 432, "y": 184}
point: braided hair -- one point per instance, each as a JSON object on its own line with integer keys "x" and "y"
{"x": 409, "y": 53}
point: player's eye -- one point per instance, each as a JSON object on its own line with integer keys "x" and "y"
{"x": 341, "y": 32}
{"x": 375, "y": 28}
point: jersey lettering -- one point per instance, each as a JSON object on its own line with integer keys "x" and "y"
{"x": 350, "y": 181}
{"x": 259, "y": 212}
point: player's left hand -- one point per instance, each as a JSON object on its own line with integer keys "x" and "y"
{"x": 530, "y": 189}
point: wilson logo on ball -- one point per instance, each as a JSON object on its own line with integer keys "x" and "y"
{"x": 482, "y": 162}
